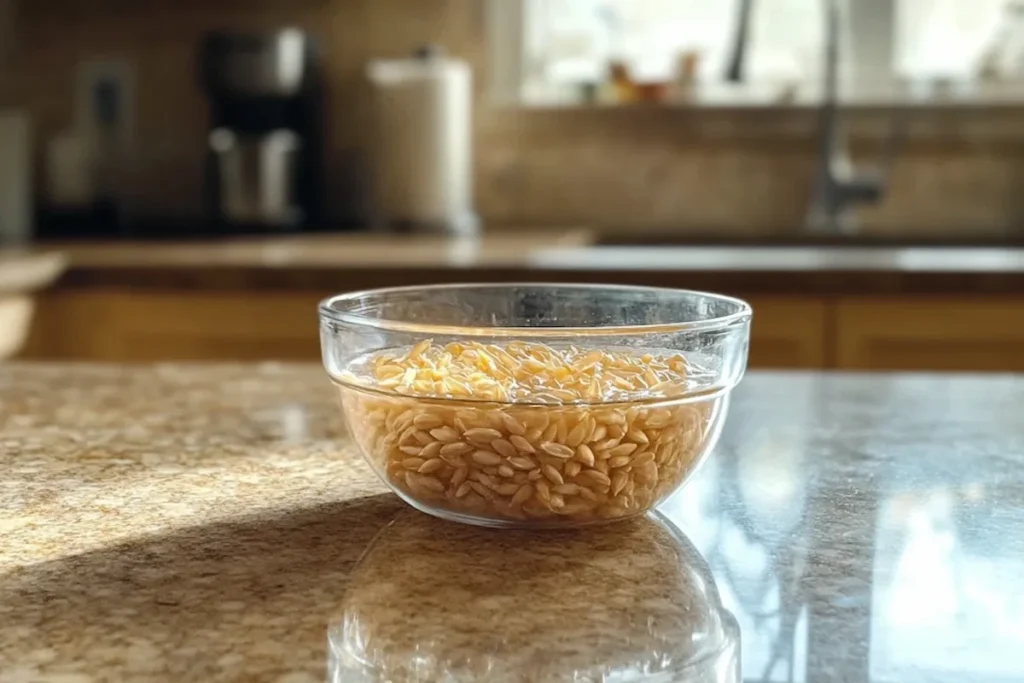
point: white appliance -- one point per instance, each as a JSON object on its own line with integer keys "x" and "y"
{"x": 423, "y": 151}
{"x": 15, "y": 177}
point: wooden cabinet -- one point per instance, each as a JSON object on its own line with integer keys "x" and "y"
{"x": 114, "y": 325}
{"x": 979, "y": 333}
{"x": 789, "y": 333}
{"x": 176, "y": 325}
{"x": 869, "y": 333}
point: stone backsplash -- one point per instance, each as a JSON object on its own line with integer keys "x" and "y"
{"x": 735, "y": 172}
{"x": 748, "y": 172}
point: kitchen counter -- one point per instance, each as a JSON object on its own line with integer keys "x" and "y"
{"x": 211, "y": 522}
{"x": 333, "y": 263}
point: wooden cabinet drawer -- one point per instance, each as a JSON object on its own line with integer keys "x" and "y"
{"x": 117, "y": 326}
{"x": 182, "y": 325}
{"x": 926, "y": 333}
{"x": 789, "y": 333}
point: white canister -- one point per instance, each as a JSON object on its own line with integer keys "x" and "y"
{"x": 423, "y": 152}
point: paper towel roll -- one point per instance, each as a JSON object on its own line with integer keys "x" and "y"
{"x": 423, "y": 146}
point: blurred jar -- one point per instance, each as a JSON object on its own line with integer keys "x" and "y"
{"x": 621, "y": 86}
{"x": 434, "y": 601}
{"x": 686, "y": 75}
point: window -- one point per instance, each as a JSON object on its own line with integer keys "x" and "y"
{"x": 572, "y": 39}
{"x": 948, "y": 38}
{"x": 557, "y": 47}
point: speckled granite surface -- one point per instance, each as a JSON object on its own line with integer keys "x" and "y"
{"x": 211, "y": 523}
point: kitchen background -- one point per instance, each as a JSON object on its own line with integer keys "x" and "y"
{"x": 872, "y": 521}
{"x": 727, "y": 169}
{"x": 673, "y": 143}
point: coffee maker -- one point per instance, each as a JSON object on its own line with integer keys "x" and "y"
{"x": 264, "y": 165}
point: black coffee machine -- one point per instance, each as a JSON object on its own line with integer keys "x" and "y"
{"x": 264, "y": 169}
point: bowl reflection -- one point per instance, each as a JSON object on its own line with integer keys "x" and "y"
{"x": 436, "y": 601}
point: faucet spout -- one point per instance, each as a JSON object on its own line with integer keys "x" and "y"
{"x": 736, "y": 71}
{"x": 837, "y": 187}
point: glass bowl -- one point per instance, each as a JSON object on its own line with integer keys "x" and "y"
{"x": 534, "y": 404}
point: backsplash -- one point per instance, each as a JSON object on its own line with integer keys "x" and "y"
{"x": 746, "y": 172}
{"x": 734, "y": 172}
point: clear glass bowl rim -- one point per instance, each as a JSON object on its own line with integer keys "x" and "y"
{"x": 329, "y": 312}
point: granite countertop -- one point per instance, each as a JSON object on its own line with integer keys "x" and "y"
{"x": 334, "y": 263}
{"x": 212, "y": 522}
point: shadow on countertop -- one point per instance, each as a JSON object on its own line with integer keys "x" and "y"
{"x": 245, "y": 599}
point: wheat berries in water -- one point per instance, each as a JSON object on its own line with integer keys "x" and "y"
{"x": 524, "y": 432}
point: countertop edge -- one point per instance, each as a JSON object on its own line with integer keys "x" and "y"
{"x": 328, "y": 279}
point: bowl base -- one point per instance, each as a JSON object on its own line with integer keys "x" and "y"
{"x": 494, "y": 523}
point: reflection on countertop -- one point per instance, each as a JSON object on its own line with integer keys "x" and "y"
{"x": 869, "y": 528}
{"x": 212, "y": 522}
{"x": 437, "y": 601}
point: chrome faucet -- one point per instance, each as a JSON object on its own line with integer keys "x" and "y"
{"x": 838, "y": 188}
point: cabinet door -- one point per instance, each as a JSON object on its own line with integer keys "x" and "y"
{"x": 117, "y": 326}
{"x": 180, "y": 325}
{"x": 789, "y": 333}
{"x": 931, "y": 333}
